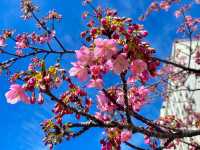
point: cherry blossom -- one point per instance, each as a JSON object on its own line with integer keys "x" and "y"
{"x": 120, "y": 63}
{"x": 103, "y": 103}
{"x": 105, "y": 48}
{"x": 79, "y": 71}
{"x": 40, "y": 99}
{"x": 164, "y": 5}
{"x": 95, "y": 83}
{"x": 138, "y": 66}
{"x": 125, "y": 135}
{"x": 2, "y": 42}
{"x": 84, "y": 55}
{"x": 16, "y": 94}
{"x": 111, "y": 46}
{"x": 197, "y": 1}
{"x": 22, "y": 41}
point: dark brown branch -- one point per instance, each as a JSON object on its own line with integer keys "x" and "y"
{"x": 125, "y": 92}
{"x": 40, "y": 51}
{"x": 161, "y": 135}
{"x": 191, "y": 70}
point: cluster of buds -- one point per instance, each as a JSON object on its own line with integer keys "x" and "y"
{"x": 27, "y": 8}
{"x": 53, "y": 133}
{"x": 6, "y": 34}
{"x": 156, "y": 5}
{"x": 44, "y": 38}
{"x": 53, "y": 15}
{"x": 114, "y": 138}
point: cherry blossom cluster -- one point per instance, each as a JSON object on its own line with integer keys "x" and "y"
{"x": 166, "y": 4}
{"x": 123, "y": 49}
{"x": 37, "y": 77}
{"x": 112, "y": 45}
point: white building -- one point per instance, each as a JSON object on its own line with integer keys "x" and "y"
{"x": 182, "y": 98}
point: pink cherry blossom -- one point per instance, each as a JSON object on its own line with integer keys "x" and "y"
{"x": 125, "y": 135}
{"x": 147, "y": 140}
{"x": 177, "y": 13}
{"x": 138, "y": 66}
{"x": 120, "y": 63}
{"x": 197, "y": 1}
{"x": 154, "y": 6}
{"x": 21, "y": 41}
{"x": 95, "y": 70}
{"x": 132, "y": 79}
{"x": 120, "y": 97}
{"x": 144, "y": 76}
{"x": 105, "y": 48}
{"x": 40, "y": 99}
{"x": 189, "y": 21}
{"x": 84, "y": 55}
{"x": 102, "y": 103}
{"x": 43, "y": 39}
{"x": 79, "y": 71}
{"x": 164, "y": 5}
{"x": 138, "y": 97}
{"x": 19, "y": 52}
{"x": 95, "y": 83}
{"x": 102, "y": 116}
{"x": 16, "y": 93}
{"x": 143, "y": 92}
{"x": 2, "y": 42}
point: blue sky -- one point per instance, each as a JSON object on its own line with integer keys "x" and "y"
{"x": 19, "y": 125}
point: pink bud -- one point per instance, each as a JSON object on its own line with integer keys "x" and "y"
{"x": 40, "y": 99}
{"x": 103, "y": 21}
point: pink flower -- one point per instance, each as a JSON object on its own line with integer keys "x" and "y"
{"x": 95, "y": 70}
{"x": 103, "y": 103}
{"x": 84, "y": 55}
{"x": 120, "y": 63}
{"x": 164, "y": 5}
{"x": 143, "y": 92}
{"x": 19, "y": 52}
{"x": 21, "y": 41}
{"x": 138, "y": 97}
{"x": 177, "y": 13}
{"x": 197, "y": 1}
{"x": 147, "y": 140}
{"x": 43, "y": 39}
{"x": 98, "y": 83}
{"x": 144, "y": 76}
{"x": 40, "y": 99}
{"x": 79, "y": 71}
{"x": 189, "y": 21}
{"x": 154, "y": 6}
{"x": 120, "y": 97}
{"x": 102, "y": 116}
{"x": 2, "y": 42}
{"x": 16, "y": 93}
{"x": 105, "y": 48}
{"x": 125, "y": 135}
{"x": 138, "y": 66}
{"x": 132, "y": 79}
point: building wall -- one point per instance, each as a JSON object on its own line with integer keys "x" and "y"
{"x": 181, "y": 98}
